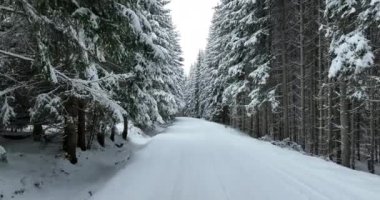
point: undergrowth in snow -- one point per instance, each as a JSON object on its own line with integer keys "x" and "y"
{"x": 286, "y": 143}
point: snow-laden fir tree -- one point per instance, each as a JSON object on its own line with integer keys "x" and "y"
{"x": 352, "y": 56}
{"x": 216, "y": 108}
{"x": 327, "y": 85}
{"x": 193, "y": 88}
{"x": 247, "y": 55}
{"x": 113, "y": 61}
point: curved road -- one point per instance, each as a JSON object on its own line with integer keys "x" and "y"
{"x": 200, "y": 160}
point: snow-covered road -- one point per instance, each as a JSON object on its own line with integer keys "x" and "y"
{"x": 200, "y": 160}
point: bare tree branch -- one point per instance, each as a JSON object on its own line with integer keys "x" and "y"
{"x": 8, "y": 9}
{"x": 16, "y": 55}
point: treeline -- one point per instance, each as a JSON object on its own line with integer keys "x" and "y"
{"x": 303, "y": 70}
{"x": 82, "y": 66}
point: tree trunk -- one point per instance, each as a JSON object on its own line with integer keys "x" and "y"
{"x": 71, "y": 140}
{"x": 225, "y": 114}
{"x": 113, "y": 133}
{"x": 101, "y": 138}
{"x": 320, "y": 83}
{"x": 344, "y": 134}
{"x": 257, "y": 124}
{"x": 270, "y": 122}
{"x": 265, "y": 120}
{"x": 329, "y": 124}
{"x": 71, "y": 136}
{"x": 285, "y": 94}
{"x": 125, "y": 131}
{"x": 81, "y": 126}
{"x": 252, "y": 122}
{"x": 357, "y": 137}
{"x": 93, "y": 128}
{"x": 371, "y": 161}
{"x": 353, "y": 133}
{"x": 243, "y": 118}
{"x": 38, "y": 132}
{"x": 302, "y": 72}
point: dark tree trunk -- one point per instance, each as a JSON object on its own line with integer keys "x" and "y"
{"x": 71, "y": 140}
{"x": 101, "y": 138}
{"x": 344, "y": 126}
{"x": 113, "y": 133}
{"x": 371, "y": 160}
{"x": 71, "y": 136}
{"x": 257, "y": 124}
{"x": 125, "y": 131}
{"x": 330, "y": 142}
{"x": 81, "y": 126}
{"x": 93, "y": 128}
{"x": 37, "y": 132}
{"x": 225, "y": 114}
{"x": 357, "y": 138}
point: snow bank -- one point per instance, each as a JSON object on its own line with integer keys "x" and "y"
{"x": 40, "y": 171}
{"x": 135, "y": 135}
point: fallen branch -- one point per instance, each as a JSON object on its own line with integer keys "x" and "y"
{"x": 8, "y": 9}
{"x": 16, "y": 55}
{"x": 9, "y": 90}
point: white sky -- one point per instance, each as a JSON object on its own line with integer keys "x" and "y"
{"x": 192, "y": 19}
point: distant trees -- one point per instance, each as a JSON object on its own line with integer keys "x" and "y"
{"x": 85, "y": 65}
{"x": 195, "y": 87}
{"x": 303, "y": 70}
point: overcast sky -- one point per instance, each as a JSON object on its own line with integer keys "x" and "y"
{"x": 192, "y": 19}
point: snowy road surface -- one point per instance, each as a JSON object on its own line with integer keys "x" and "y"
{"x": 199, "y": 160}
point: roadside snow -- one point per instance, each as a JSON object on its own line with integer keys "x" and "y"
{"x": 38, "y": 171}
{"x": 199, "y": 160}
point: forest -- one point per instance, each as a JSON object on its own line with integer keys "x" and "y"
{"x": 300, "y": 71}
{"x": 81, "y": 67}
{"x": 99, "y": 99}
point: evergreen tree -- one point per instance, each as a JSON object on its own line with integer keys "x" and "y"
{"x": 113, "y": 61}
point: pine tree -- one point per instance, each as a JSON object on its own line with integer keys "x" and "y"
{"x": 94, "y": 64}
{"x": 352, "y": 55}
{"x": 194, "y": 89}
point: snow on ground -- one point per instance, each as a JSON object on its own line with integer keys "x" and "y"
{"x": 38, "y": 171}
{"x": 199, "y": 160}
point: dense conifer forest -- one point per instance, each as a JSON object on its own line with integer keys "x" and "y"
{"x": 282, "y": 101}
{"x": 83, "y": 66}
{"x": 303, "y": 71}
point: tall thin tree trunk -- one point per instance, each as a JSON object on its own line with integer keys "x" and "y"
{"x": 344, "y": 123}
{"x": 353, "y": 133}
{"x": 302, "y": 68}
{"x": 265, "y": 120}
{"x": 125, "y": 131}
{"x": 357, "y": 137}
{"x": 320, "y": 83}
{"x": 371, "y": 160}
{"x": 101, "y": 136}
{"x": 81, "y": 126}
{"x": 257, "y": 124}
{"x": 71, "y": 135}
{"x": 330, "y": 141}
{"x": 284, "y": 72}
{"x": 113, "y": 133}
